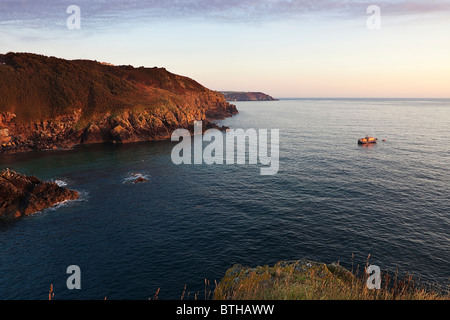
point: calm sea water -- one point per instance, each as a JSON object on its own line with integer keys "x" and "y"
{"x": 331, "y": 198}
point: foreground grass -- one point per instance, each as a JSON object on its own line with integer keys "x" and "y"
{"x": 307, "y": 280}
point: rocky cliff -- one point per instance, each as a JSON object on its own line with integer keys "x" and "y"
{"x": 21, "y": 195}
{"x": 51, "y": 103}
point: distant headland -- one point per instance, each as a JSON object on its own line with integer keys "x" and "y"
{"x": 246, "y": 96}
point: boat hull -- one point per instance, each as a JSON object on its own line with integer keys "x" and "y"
{"x": 368, "y": 140}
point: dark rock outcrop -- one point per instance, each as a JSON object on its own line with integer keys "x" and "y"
{"x": 22, "y": 195}
{"x": 140, "y": 180}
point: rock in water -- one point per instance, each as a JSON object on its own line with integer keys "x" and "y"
{"x": 140, "y": 180}
{"x": 22, "y": 195}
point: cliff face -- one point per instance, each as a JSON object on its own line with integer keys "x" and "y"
{"x": 246, "y": 96}
{"x": 21, "y": 195}
{"x": 51, "y": 103}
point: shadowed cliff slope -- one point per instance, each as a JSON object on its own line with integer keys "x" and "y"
{"x": 52, "y": 103}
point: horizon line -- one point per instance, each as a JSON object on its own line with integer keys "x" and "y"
{"x": 356, "y": 98}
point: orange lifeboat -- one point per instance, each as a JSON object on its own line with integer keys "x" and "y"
{"x": 368, "y": 140}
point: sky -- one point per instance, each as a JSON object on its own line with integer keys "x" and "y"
{"x": 286, "y": 48}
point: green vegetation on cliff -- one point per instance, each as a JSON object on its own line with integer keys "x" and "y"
{"x": 308, "y": 280}
{"x": 35, "y": 87}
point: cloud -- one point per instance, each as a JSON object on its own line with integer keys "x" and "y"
{"x": 49, "y": 11}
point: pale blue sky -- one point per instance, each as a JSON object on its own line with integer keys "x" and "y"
{"x": 287, "y": 48}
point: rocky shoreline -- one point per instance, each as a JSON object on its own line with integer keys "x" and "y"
{"x": 62, "y": 134}
{"x": 22, "y": 195}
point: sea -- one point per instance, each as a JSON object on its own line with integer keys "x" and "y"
{"x": 176, "y": 235}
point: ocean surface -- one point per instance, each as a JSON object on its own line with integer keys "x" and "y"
{"x": 330, "y": 199}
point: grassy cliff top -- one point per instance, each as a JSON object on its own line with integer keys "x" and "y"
{"x": 36, "y": 87}
{"x": 309, "y": 280}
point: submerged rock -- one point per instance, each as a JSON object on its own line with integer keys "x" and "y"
{"x": 22, "y": 195}
{"x": 140, "y": 180}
